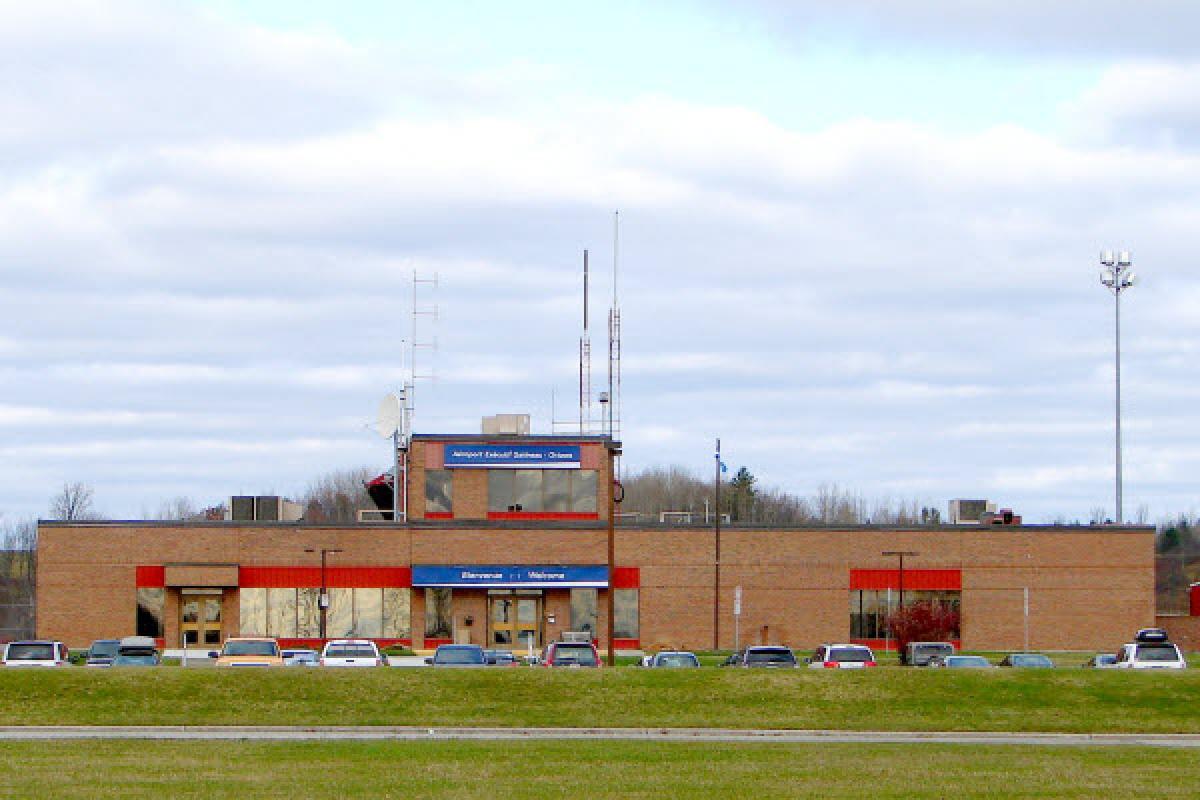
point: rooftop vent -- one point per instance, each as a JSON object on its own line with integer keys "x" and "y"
{"x": 506, "y": 425}
{"x": 969, "y": 512}
{"x": 263, "y": 508}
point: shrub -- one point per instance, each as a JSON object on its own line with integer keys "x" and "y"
{"x": 922, "y": 622}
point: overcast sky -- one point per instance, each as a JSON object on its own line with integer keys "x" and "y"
{"x": 859, "y": 240}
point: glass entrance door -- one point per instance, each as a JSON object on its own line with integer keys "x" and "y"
{"x": 513, "y": 618}
{"x": 200, "y": 619}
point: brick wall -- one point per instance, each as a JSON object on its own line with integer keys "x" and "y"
{"x": 1184, "y": 631}
{"x": 1088, "y": 589}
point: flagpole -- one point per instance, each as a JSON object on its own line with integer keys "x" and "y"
{"x": 716, "y": 645}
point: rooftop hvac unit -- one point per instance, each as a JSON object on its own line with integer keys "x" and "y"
{"x": 506, "y": 425}
{"x": 263, "y": 508}
{"x": 968, "y": 512}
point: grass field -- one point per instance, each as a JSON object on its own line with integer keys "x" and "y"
{"x": 112, "y": 769}
{"x": 1068, "y": 700}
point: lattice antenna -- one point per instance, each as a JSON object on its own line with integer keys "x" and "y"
{"x": 614, "y": 345}
{"x": 424, "y": 338}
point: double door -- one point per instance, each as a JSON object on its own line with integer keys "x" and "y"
{"x": 200, "y": 619}
{"x": 514, "y": 619}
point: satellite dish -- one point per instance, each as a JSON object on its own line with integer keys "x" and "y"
{"x": 391, "y": 415}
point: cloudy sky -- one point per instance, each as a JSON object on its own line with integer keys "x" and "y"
{"x": 858, "y": 240}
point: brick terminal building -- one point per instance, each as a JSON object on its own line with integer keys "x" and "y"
{"x": 505, "y": 544}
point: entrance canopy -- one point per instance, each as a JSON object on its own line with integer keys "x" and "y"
{"x": 510, "y": 576}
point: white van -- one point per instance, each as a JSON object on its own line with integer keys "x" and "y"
{"x": 38, "y": 653}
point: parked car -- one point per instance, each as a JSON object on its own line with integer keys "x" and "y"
{"x": 301, "y": 658}
{"x": 762, "y": 656}
{"x": 36, "y": 653}
{"x": 919, "y": 654}
{"x": 457, "y": 655}
{"x": 137, "y": 651}
{"x": 1101, "y": 661}
{"x": 1150, "y": 649}
{"x": 351, "y": 653}
{"x": 500, "y": 658}
{"x": 1027, "y": 660}
{"x": 841, "y": 656}
{"x": 961, "y": 662}
{"x": 102, "y": 652}
{"x": 674, "y": 659}
{"x": 250, "y": 651}
{"x": 571, "y": 654}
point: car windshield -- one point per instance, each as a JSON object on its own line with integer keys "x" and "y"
{"x": 583, "y": 655}
{"x": 1157, "y": 652}
{"x": 966, "y": 661}
{"x": 103, "y": 650}
{"x": 458, "y": 655}
{"x": 933, "y": 649}
{"x": 771, "y": 656}
{"x": 1107, "y": 658}
{"x": 359, "y": 651}
{"x": 251, "y": 648}
{"x": 137, "y": 660}
{"x": 850, "y": 654}
{"x": 676, "y": 660}
{"x": 40, "y": 651}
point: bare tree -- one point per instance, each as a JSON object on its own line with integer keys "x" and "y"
{"x": 336, "y": 496}
{"x": 18, "y": 574}
{"x": 178, "y": 508}
{"x": 74, "y": 502}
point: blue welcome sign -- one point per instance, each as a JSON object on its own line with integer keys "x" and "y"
{"x": 511, "y": 576}
{"x": 512, "y": 456}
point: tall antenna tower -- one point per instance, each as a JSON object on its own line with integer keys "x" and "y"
{"x": 614, "y": 346}
{"x": 427, "y": 314}
{"x": 585, "y": 361}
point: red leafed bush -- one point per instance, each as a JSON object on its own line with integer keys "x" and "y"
{"x": 922, "y": 622}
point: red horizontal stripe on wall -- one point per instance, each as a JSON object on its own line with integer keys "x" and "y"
{"x": 890, "y": 644}
{"x": 439, "y": 515}
{"x": 913, "y": 579}
{"x": 335, "y": 577}
{"x": 627, "y": 644}
{"x": 317, "y": 644}
{"x": 626, "y": 577}
{"x": 562, "y": 515}
{"x": 150, "y": 577}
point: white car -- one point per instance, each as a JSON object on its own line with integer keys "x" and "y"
{"x": 39, "y": 653}
{"x": 351, "y": 653}
{"x": 841, "y": 656}
{"x": 1150, "y": 650}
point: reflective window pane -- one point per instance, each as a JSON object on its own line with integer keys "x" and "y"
{"x": 368, "y": 613}
{"x": 308, "y": 613}
{"x": 500, "y": 490}
{"x": 438, "y": 483}
{"x": 556, "y": 484}
{"x": 339, "y": 618}
{"x": 527, "y": 489}
{"x": 253, "y": 612}
{"x": 397, "y": 613}
{"x": 583, "y": 490}
{"x": 583, "y": 610}
{"x": 625, "y": 613}
{"x": 150, "y": 605}
{"x": 281, "y": 613}
{"x": 437, "y": 613}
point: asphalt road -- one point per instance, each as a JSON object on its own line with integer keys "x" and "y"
{"x": 346, "y": 733}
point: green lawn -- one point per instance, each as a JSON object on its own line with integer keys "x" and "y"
{"x": 882, "y": 699}
{"x": 585, "y": 769}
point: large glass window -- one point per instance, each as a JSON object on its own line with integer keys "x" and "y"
{"x": 397, "y": 613}
{"x": 308, "y": 613}
{"x": 625, "y": 613}
{"x": 869, "y": 608}
{"x": 555, "y": 490}
{"x": 253, "y": 614}
{"x": 368, "y": 613}
{"x": 150, "y": 604}
{"x": 281, "y": 612}
{"x": 438, "y": 487}
{"x": 583, "y": 610}
{"x": 437, "y": 613}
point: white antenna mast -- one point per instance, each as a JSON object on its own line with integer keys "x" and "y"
{"x": 614, "y": 347}
{"x": 429, "y": 312}
{"x": 585, "y": 361}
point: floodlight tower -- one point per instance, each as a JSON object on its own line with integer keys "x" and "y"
{"x": 1116, "y": 272}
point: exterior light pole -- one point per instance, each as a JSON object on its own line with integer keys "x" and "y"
{"x": 1116, "y": 273}
{"x": 323, "y": 597}
{"x": 901, "y": 554}
{"x": 716, "y": 645}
